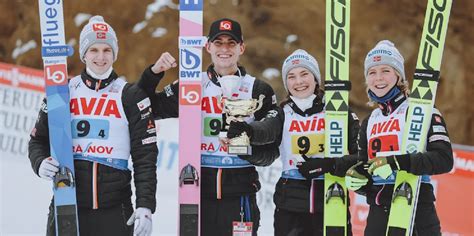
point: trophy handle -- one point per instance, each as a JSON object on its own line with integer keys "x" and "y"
{"x": 260, "y": 102}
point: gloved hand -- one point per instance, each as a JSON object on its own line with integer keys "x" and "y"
{"x": 236, "y": 128}
{"x": 314, "y": 167}
{"x": 383, "y": 166}
{"x": 48, "y": 168}
{"x": 354, "y": 179}
{"x": 142, "y": 219}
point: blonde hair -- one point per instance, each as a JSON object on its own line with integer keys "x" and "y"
{"x": 402, "y": 84}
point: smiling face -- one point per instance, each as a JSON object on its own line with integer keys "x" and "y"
{"x": 380, "y": 79}
{"x": 99, "y": 58}
{"x": 225, "y": 53}
{"x": 301, "y": 82}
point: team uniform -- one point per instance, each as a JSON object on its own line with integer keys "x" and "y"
{"x": 381, "y": 132}
{"x": 299, "y": 201}
{"x": 111, "y": 121}
{"x": 228, "y": 182}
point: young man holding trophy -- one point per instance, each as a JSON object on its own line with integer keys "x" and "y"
{"x": 231, "y": 101}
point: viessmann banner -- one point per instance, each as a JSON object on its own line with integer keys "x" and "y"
{"x": 21, "y": 93}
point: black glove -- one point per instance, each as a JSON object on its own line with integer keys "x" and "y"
{"x": 237, "y": 128}
{"x": 314, "y": 167}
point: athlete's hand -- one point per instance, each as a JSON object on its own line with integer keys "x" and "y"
{"x": 354, "y": 179}
{"x": 383, "y": 166}
{"x": 314, "y": 167}
{"x": 142, "y": 220}
{"x": 48, "y": 168}
{"x": 236, "y": 129}
{"x": 164, "y": 63}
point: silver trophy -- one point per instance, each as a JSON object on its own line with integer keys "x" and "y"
{"x": 237, "y": 110}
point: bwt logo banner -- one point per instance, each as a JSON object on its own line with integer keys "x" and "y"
{"x": 192, "y": 41}
{"x": 190, "y": 64}
{"x": 190, "y": 5}
{"x": 55, "y": 74}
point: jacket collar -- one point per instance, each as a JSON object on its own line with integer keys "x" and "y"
{"x": 391, "y": 105}
{"x": 213, "y": 75}
{"x": 96, "y": 84}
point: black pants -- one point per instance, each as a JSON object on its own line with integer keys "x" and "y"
{"x": 100, "y": 222}
{"x": 288, "y": 223}
{"x": 426, "y": 220}
{"x": 217, "y": 215}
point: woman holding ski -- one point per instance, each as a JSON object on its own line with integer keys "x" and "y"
{"x": 380, "y": 142}
{"x": 298, "y": 127}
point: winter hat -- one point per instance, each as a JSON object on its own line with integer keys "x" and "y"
{"x": 385, "y": 53}
{"x": 97, "y": 31}
{"x": 300, "y": 58}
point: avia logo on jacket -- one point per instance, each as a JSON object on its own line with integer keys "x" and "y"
{"x": 385, "y": 126}
{"x": 94, "y": 106}
{"x": 315, "y": 124}
{"x": 210, "y": 105}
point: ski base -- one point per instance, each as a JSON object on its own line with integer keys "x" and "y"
{"x": 337, "y": 87}
{"x": 404, "y": 201}
{"x": 420, "y": 107}
{"x": 189, "y": 219}
{"x": 191, "y": 42}
{"x": 335, "y": 208}
{"x": 67, "y": 220}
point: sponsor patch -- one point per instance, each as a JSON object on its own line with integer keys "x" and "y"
{"x": 146, "y": 114}
{"x": 225, "y": 25}
{"x": 439, "y": 137}
{"x": 100, "y": 27}
{"x": 149, "y": 140}
{"x": 439, "y": 129}
{"x": 169, "y": 91}
{"x": 114, "y": 88}
{"x": 101, "y": 35}
{"x": 438, "y": 119}
{"x": 151, "y": 131}
{"x": 151, "y": 124}
{"x": 144, "y": 104}
{"x": 244, "y": 87}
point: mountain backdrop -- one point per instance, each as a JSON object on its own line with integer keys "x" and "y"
{"x": 272, "y": 30}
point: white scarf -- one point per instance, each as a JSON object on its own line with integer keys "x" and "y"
{"x": 304, "y": 103}
{"x": 99, "y": 77}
